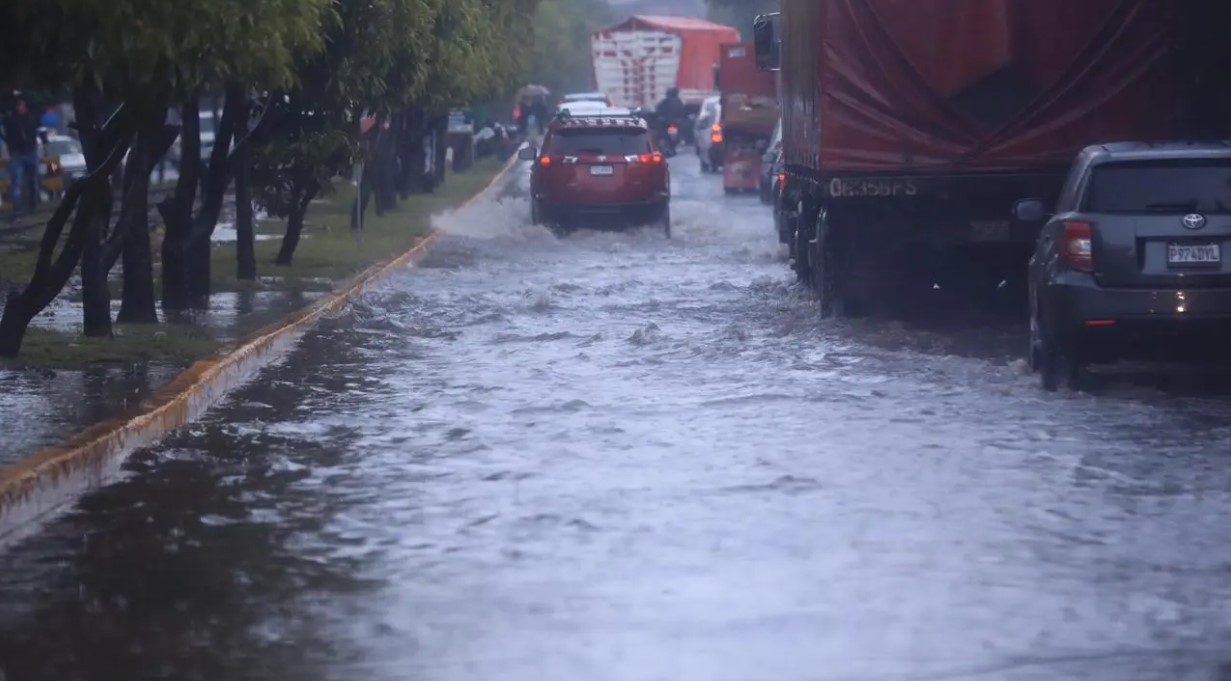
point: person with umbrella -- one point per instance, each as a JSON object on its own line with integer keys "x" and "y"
{"x": 532, "y": 101}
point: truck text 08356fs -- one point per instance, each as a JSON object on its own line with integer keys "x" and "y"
{"x": 911, "y": 127}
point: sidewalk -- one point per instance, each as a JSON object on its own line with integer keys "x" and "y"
{"x": 64, "y": 383}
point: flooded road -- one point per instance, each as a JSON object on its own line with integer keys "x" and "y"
{"x": 614, "y": 456}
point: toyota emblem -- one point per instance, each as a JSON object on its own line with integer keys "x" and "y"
{"x": 1193, "y": 221}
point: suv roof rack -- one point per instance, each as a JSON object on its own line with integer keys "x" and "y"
{"x": 607, "y": 118}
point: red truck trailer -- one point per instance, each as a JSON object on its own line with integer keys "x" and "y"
{"x": 637, "y": 60}
{"x": 749, "y": 115}
{"x": 911, "y": 128}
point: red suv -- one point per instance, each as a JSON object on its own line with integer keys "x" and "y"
{"x": 604, "y": 165}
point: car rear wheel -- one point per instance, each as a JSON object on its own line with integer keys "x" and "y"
{"x": 664, "y": 220}
{"x": 1059, "y": 362}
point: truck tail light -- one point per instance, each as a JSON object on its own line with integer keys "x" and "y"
{"x": 1076, "y": 249}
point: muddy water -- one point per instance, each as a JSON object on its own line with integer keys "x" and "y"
{"x": 616, "y": 456}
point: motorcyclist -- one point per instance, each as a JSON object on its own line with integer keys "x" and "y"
{"x": 670, "y": 111}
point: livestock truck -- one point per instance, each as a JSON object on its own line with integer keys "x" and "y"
{"x": 637, "y": 60}
{"x": 911, "y": 128}
{"x": 750, "y": 113}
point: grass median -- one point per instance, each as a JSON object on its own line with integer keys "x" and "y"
{"x": 329, "y": 254}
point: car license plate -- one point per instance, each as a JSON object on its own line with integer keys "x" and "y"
{"x": 602, "y": 170}
{"x": 990, "y": 230}
{"x": 1194, "y": 254}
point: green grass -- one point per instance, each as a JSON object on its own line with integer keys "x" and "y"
{"x": 329, "y": 254}
{"x": 132, "y": 343}
{"x": 331, "y": 251}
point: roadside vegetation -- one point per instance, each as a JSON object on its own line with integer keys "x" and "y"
{"x": 309, "y": 94}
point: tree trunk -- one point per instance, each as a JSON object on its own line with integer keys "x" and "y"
{"x": 384, "y": 166}
{"x": 245, "y": 230}
{"x": 95, "y": 293}
{"x": 301, "y": 199}
{"x": 176, "y": 212}
{"x": 53, "y": 270}
{"x": 232, "y": 124}
{"x": 137, "y": 304}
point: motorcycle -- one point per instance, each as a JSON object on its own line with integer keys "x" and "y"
{"x": 671, "y": 140}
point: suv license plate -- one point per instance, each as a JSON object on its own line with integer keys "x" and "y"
{"x": 990, "y": 230}
{"x": 1194, "y": 254}
{"x": 602, "y": 170}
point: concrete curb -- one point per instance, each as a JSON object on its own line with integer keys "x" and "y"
{"x": 39, "y": 485}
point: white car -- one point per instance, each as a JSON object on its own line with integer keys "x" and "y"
{"x": 591, "y": 108}
{"x": 65, "y": 153}
{"x": 587, "y": 97}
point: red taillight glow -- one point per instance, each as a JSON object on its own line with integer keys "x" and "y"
{"x": 1076, "y": 250}
{"x": 716, "y": 138}
{"x": 656, "y": 158}
{"x": 544, "y": 161}
{"x": 1100, "y": 322}
{"x": 717, "y": 127}
{"x": 782, "y": 178}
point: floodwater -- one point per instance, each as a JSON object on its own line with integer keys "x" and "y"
{"x": 613, "y": 456}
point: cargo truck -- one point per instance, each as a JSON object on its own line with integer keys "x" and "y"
{"x": 749, "y": 105}
{"x": 639, "y": 59}
{"x": 911, "y": 129}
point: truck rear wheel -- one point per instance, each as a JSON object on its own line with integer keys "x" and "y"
{"x": 827, "y": 265}
{"x": 798, "y": 242}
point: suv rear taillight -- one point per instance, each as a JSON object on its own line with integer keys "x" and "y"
{"x": 1076, "y": 249}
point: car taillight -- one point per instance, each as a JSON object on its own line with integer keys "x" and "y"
{"x": 544, "y": 161}
{"x": 782, "y": 178}
{"x": 1076, "y": 249}
{"x": 651, "y": 158}
{"x": 717, "y": 127}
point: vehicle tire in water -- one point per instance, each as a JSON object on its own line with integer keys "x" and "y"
{"x": 664, "y": 220}
{"x": 800, "y": 237}
{"x": 822, "y": 258}
{"x": 1059, "y": 362}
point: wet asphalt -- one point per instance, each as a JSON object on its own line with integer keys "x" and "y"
{"x": 614, "y": 456}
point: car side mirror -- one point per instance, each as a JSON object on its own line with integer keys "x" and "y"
{"x": 764, "y": 38}
{"x": 527, "y": 153}
{"x": 1031, "y": 211}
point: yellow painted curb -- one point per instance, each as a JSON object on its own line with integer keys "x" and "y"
{"x": 43, "y": 483}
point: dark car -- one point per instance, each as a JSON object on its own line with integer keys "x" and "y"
{"x": 777, "y": 191}
{"x": 598, "y": 167}
{"x": 1133, "y": 257}
{"x": 766, "y": 183}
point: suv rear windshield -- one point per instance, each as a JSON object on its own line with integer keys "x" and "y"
{"x": 1160, "y": 186}
{"x": 608, "y": 142}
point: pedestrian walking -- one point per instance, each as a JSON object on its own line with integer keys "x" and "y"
{"x": 20, "y": 130}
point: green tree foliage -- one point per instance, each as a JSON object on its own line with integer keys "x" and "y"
{"x": 561, "y": 42}
{"x": 297, "y": 77}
